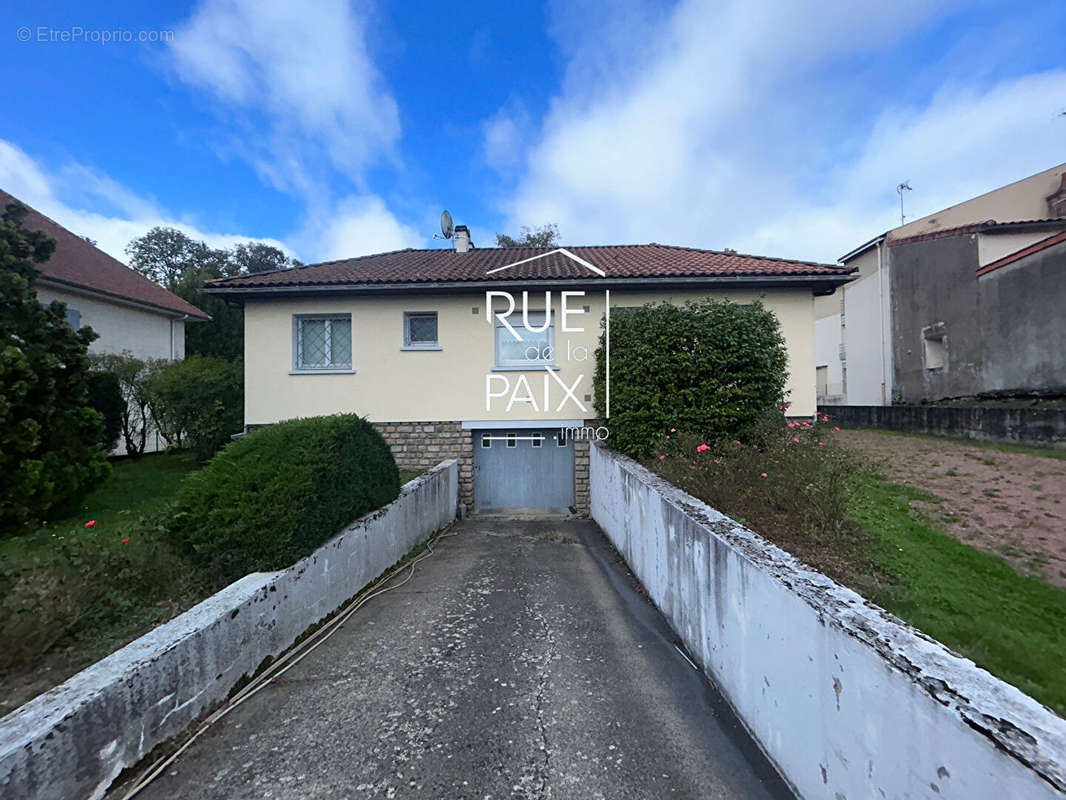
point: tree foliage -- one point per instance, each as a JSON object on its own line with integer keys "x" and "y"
{"x": 199, "y": 402}
{"x": 50, "y": 455}
{"x": 133, "y": 376}
{"x": 544, "y": 236}
{"x": 708, "y": 368}
{"x": 182, "y": 264}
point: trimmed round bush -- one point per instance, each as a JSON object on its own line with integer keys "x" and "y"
{"x": 272, "y": 497}
{"x": 709, "y": 367}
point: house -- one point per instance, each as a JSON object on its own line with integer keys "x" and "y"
{"x": 967, "y": 301}
{"x": 487, "y": 355}
{"x": 129, "y": 312}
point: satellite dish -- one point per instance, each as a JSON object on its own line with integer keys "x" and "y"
{"x": 446, "y": 226}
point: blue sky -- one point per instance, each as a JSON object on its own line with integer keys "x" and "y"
{"x": 337, "y": 128}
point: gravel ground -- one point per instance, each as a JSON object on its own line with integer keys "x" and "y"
{"x": 520, "y": 661}
{"x": 1010, "y": 504}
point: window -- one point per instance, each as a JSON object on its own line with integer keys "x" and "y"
{"x": 486, "y": 441}
{"x": 420, "y": 330}
{"x": 323, "y": 342}
{"x": 537, "y": 440}
{"x": 536, "y": 348}
{"x": 512, "y": 440}
{"x": 935, "y": 352}
{"x": 73, "y": 318}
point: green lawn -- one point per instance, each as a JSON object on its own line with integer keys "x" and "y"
{"x": 1012, "y": 625}
{"x": 135, "y": 487}
{"x": 70, "y": 594}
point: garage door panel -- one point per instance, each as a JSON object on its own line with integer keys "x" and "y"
{"x": 523, "y": 469}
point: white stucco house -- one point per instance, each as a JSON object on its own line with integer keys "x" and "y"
{"x": 419, "y": 341}
{"x": 129, "y": 312}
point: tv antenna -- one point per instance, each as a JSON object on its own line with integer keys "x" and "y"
{"x": 900, "y": 189}
{"x": 447, "y": 227}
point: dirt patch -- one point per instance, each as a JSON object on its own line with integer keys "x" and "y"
{"x": 1010, "y": 504}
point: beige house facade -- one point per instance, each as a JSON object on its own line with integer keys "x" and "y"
{"x": 420, "y": 342}
{"x": 859, "y": 344}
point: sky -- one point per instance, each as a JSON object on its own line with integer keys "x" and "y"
{"x": 335, "y": 129}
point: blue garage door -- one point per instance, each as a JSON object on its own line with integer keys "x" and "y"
{"x": 521, "y": 469}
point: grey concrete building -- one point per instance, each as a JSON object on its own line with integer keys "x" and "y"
{"x": 962, "y": 329}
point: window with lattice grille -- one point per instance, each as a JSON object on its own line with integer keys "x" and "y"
{"x": 323, "y": 342}
{"x": 420, "y": 329}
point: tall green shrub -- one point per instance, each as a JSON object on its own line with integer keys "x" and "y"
{"x": 50, "y": 455}
{"x": 710, "y": 368}
{"x": 199, "y": 402}
{"x": 272, "y": 497}
{"x": 105, "y": 395}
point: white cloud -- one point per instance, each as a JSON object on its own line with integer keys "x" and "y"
{"x": 134, "y": 216}
{"x": 361, "y": 226}
{"x": 746, "y": 125}
{"x": 305, "y": 68}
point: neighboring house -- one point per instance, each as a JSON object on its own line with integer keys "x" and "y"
{"x": 968, "y": 301}
{"x": 406, "y": 339}
{"x": 129, "y": 312}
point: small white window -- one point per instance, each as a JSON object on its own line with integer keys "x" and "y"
{"x": 935, "y": 352}
{"x": 560, "y": 440}
{"x": 512, "y": 440}
{"x": 323, "y": 342}
{"x": 535, "y": 349}
{"x": 486, "y": 441}
{"x": 420, "y": 330}
{"x": 537, "y": 440}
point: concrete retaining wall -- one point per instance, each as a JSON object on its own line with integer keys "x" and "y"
{"x": 848, "y": 701}
{"x": 72, "y": 741}
{"x": 1038, "y": 426}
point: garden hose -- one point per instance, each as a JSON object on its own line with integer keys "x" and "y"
{"x": 286, "y": 662}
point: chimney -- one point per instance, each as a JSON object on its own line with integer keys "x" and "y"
{"x": 1056, "y": 201}
{"x": 462, "y": 239}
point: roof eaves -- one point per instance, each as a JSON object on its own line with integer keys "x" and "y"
{"x": 821, "y": 280}
{"x": 196, "y": 313}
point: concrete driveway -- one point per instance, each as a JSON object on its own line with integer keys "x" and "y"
{"x": 520, "y": 661}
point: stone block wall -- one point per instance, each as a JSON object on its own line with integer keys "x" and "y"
{"x": 421, "y": 445}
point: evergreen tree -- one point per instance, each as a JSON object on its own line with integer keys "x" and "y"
{"x": 50, "y": 453}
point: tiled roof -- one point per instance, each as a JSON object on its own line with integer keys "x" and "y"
{"x": 77, "y": 263}
{"x": 990, "y": 226}
{"x": 544, "y": 263}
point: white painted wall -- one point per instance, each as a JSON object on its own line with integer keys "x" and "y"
{"x": 827, "y": 354}
{"x": 992, "y": 247}
{"x": 845, "y": 699}
{"x": 863, "y": 325}
{"x": 73, "y": 741}
{"x": 122, "y": 327}
{"x": 146, "y": 334}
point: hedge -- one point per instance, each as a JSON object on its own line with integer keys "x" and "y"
{"x": 709, "y": 368}
{"x": 272, "y": 497}
{"x": 198, "y": 402}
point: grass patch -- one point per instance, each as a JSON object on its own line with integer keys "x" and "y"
{"x": 973, "y": 602}
{"x": 70, "y": 594}
{"x": 801, "y": 491}
{"x": 1003, "y": 447}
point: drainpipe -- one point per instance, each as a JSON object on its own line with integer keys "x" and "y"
{"x": 881, "y": 316}
{"x": 183, "y": 319}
